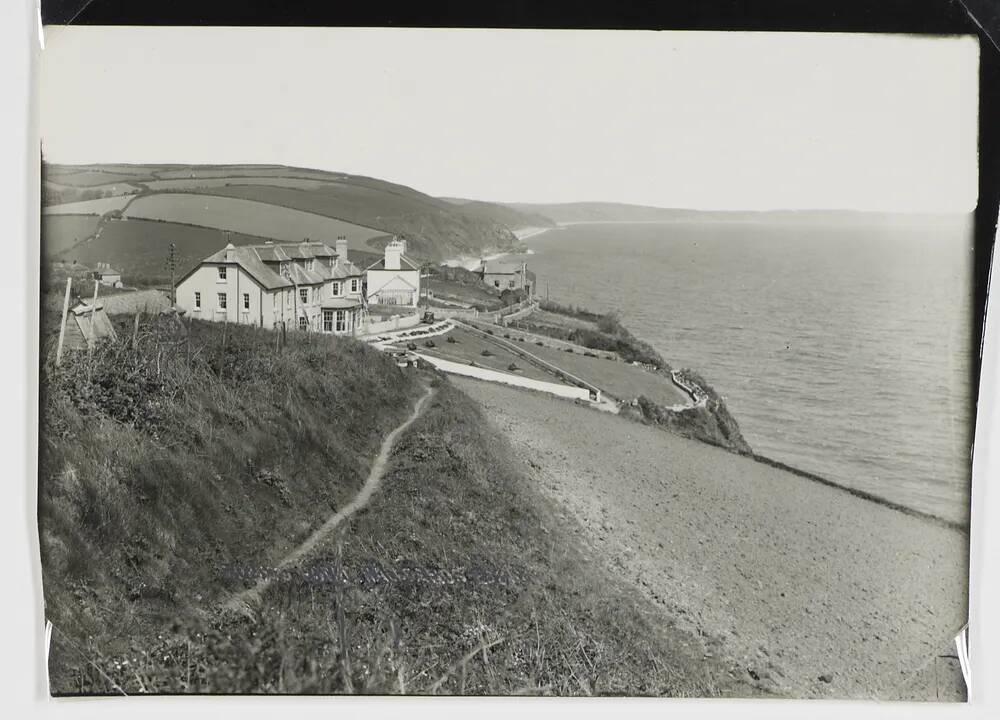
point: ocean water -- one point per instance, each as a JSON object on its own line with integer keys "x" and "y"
{"x": 842, "y": 349}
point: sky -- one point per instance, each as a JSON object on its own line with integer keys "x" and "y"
{"x": 722, "y": 121}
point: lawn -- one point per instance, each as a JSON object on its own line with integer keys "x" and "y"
{"x": 468, "y": 347}
{"x": 618, "y": 379}
{"x": 248, "y": 216}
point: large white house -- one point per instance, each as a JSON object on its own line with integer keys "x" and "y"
{"x": 393, "y": 280}
{"x": 306, "y": 286}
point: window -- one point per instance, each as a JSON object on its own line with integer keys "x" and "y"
{"x": 497, "y": 283}
{"x": 222, "y": 301}
{"x": 304, "y": 295}
{"x": 510, "y": 283}
{"x": 354, "y": 285}
{"x": 328, "y": 321}
{"x": 283, "y": 269}
{"x": 309, "y": 264}
{"x": 303, "y": 323}
{"x": 336, "y": 288}
{"x": 197, "y": 301}
{"x": 222, "y": 273}
{"x": 341, "y": 321}
{"x": 246, "y": 301}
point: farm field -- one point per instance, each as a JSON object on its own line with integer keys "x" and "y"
{"x": 222, "y": 171}
{"x": 247, "y": 217}
{"x": 97, "y": 206}
{"x": 61, "y": 232}
{"x": 89, "y": 178}
{"x": 139, "y": 247}
{"x": 213, "y": 182}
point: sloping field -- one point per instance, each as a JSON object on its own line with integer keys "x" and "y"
{"x": 61, "y": 232}
{"x": 224, "y": 171}
{"x": 88, "y": 178}
{"x": 214, "y": 182}
{"x": 139, "y": 247}
{"x": 97, "y": 206}
{"x": 248, "y": 217}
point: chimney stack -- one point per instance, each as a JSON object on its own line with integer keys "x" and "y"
{"x": 230, "y": 252}
{"x": 393, "y": 253}
{"x": 342, "y": 250}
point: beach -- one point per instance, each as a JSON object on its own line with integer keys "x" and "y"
{"x": 812, "y": 591}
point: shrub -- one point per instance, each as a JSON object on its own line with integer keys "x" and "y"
{"x": 452, "y": 339}
{"x": 486, "y": 353}
{"x": 430, "y": 344}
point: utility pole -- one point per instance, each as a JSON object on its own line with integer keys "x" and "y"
{"x": 172, "y": 266}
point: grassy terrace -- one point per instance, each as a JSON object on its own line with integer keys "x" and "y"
{"x": 618, "y": 379}
{"x": 468, "y": 347}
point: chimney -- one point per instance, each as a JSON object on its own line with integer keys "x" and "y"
{"x": 341, "y": 249}
{"x": 230, "y": 252}
{"x": 393, "y": 253}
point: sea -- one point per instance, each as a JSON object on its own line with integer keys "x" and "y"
{"x": 841, "y": 347}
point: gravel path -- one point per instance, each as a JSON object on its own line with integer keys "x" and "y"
{"x": 812, "y": 591}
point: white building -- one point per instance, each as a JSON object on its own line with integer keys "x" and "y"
{"x": 306, "y": 286}
{"x": 393, "y": 280}
{"x": 107, "y": 275}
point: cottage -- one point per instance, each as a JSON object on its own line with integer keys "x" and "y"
{"x": 507, "y": 276}
{"x": 304, "y": 286}
{"x": 393, "y": 280}
{"x": 107, "y": 275}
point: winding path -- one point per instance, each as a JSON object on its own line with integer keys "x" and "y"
{"x": 243, "y": 601}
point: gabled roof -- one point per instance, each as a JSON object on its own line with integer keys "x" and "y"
{"x": 247, "y": 257}
{"x": 108, "y": 271}
{"x": 404, "y": 261}
{"x": 491, "y": 267}
{"x": 257, "y": 261}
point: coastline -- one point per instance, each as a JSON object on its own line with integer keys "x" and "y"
{"x": 471, "y": 262}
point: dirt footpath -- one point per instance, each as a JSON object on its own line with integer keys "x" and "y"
{"x": 814, "y": 592}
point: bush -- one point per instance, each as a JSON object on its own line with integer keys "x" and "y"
{"x": 430, "y": 344}
{"x": 451, "y": 339}
{"x": 513, "y": 367}
{"x": 486, "y": 353}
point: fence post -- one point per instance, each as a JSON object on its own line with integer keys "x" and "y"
{"x": 62, "y": 327}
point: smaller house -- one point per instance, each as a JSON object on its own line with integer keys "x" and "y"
{"x": 394, "y": 279}
{"x": 87, "y": 325}
{"x": 507, "y": 276}
{"x": 107, "y": 275}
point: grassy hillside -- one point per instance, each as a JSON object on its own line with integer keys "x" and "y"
{"x": 503, "y": 214}
{"x": 434, "y": 228}
{"x": 172, "y": 474}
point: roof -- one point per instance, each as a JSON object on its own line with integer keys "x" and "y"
{"x": 404, "y": 261}
{"x": 257, "y": 261}
{"x": 108, "y": 271}
{"x": 340, "y": 303}
{"x": 491, "y": 267}
{"x": 84, "y": 306}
